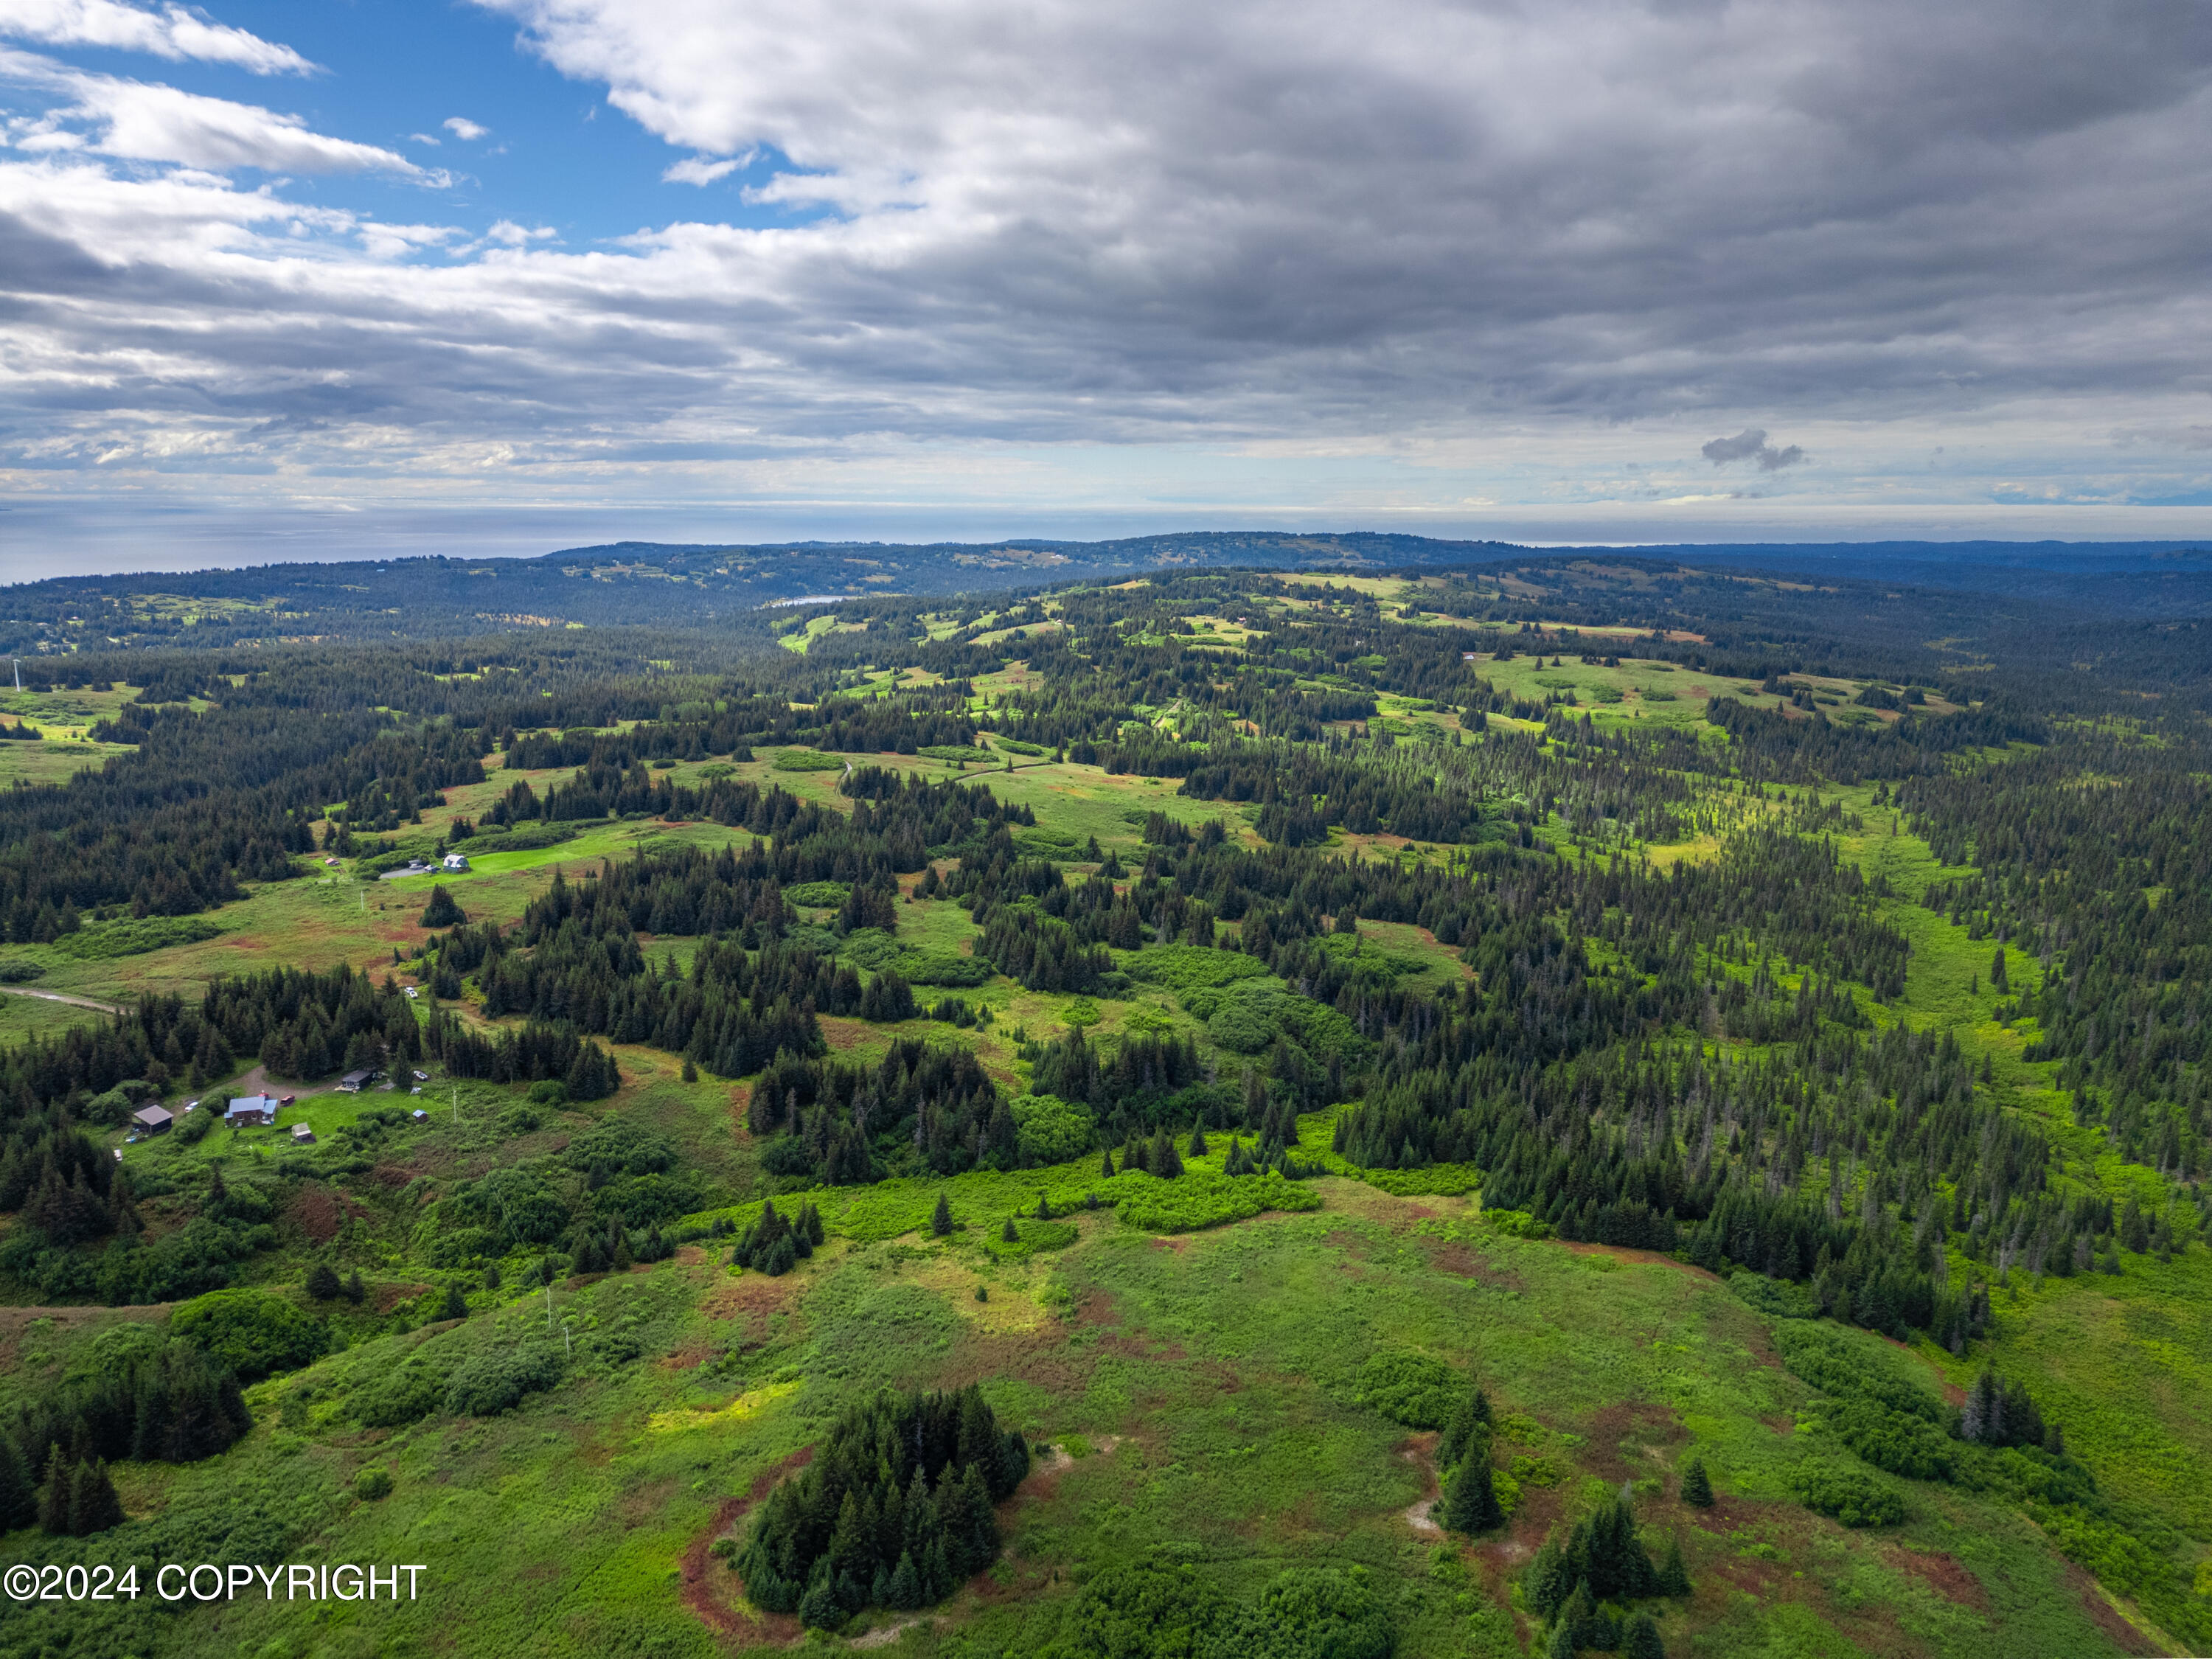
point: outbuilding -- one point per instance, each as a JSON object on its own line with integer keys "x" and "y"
{"x": 354, "y": 1082}
{"x": 302, "y": 1135}
{"x": 457, "y": 861}
{"x": 153, "y": 1119}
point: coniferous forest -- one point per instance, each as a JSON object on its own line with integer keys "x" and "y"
{"x": 1452, "y": 1108}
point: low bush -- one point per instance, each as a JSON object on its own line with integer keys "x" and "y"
{"x": 105, "y": 940}
{"x": 1850, "y": 1496}
{"x": 1197, "y": 1198}
{"x": 253, "y": 1332}
{"x": 494, "y": 1382}
{"x": 1412, "y": 1388}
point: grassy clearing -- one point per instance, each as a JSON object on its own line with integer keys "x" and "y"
{"x": 1210, "y": 1377}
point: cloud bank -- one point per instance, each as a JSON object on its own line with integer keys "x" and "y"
{"x": 1536, "y": 248}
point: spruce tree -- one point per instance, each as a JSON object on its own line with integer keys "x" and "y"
{"x": 441, "y": 911}
{"x": 1044, "y": 1206}
{"x": 940, "y": 1219}
{"x": 1549, "y": 1579}
{"x": 456, "y": 1305}
{"x": 1697, "y": 1488}
{"x": 1673, "y": 1572}
{"x": 355, "y": 1292}
{"x": 1198, "y": 1146}
{"x": 54, "y": 1495}
{"x": 323, "y": 1282}
{"x": 93, "y": 1507}
{"x": 1106, "y": 1163}
{"x": 19, "y": 1498}
{"x": 1472, "y": 1505}
{"x": 1642, "y": 1641}
{"x": 1010, "y": 1233}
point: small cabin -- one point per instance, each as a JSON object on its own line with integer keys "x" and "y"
{"x": 153, "y": 1119}
{"x": 250, "y": 1109}
{"x": 354, "y": 1082}
{"x": 302, "y": 1135}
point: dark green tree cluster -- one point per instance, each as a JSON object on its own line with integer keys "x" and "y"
{"x": 924, "y": 1106}
{"x": 536, "y": 1052}
{"x": 775, "y": 1244}
{"x": 1586, "y": 1587}
{"x": 170, "y": 1404}
{"x": 896, "y": 1510}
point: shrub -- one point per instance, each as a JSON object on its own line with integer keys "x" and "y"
{"x": 1853, "y": 1497}
{"x": 15, "y": 970}
{"x": 402, "y": 1394}
{"x": 373, "y": 1483}
{"x": 1199, "y": 1199}
{"x": 494, "y": 1382}
{"x": 104, "y": 941}
{"x": 819, "y": 895}
{"x": 1412, "y": 1388}
{"x": 251, "y": 1332}
{"x": 1047, "y": 1130}
{"x": 945, "y": 968}
{"x": 806, "y": 760}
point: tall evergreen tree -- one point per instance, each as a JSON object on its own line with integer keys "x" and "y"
{"x": 940, "y": 1218}
{"x": 1641, "y": 1640}
{"x": 93, "y": 1507}
{"x": 1673, "y": 1572}
{"x": 1697, "y": 1487}
{"x": 19, "y": 1498}
{"x": 1472, "y": 1506}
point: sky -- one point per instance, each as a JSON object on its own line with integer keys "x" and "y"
{"x": 336, "y": 278}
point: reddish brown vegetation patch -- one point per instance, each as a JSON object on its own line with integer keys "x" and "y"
{"x": 752, "y": 1298}
{"x": 316, "y": 1212}
{"x": 1945, "y": 1572}
{"x": 2108, "y": 1618}
{"x": 713, "y": 1594}
{"x": 1463, "y": 1261}
{"x": 1630, "y": 1421}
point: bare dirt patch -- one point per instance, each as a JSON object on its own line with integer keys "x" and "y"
{"x": 713, "y": 1594}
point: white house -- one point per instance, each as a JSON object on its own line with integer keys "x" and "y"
{"x": 457, "y": 861}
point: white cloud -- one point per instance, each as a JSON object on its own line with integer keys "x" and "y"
{"x": 1507, "y": 253}
{"x": 143, "y": 121}
{"x": 173, "y": 32}
{"x": 421, "y": 139}
{"x": 507, "y": 233}
{"x": 698, "y": 170}
{"x": 462, "y": 128}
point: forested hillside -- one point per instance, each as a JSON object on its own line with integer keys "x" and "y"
{"x": 1526, "y": 1106}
